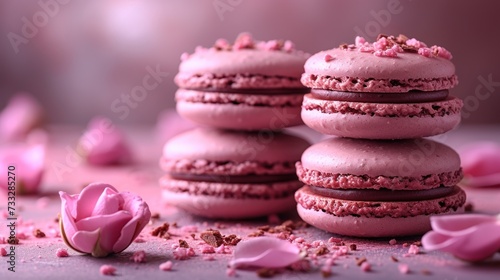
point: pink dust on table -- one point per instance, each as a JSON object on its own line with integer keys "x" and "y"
{"x": 166, "y": 266}
{"x": 107, "y": 270}
{"x": 62, "y": 253}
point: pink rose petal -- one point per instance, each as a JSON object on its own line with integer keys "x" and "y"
{"x": 481, "y": 164}
{"x": 468, "y": 237}
{"x": 265, "y": 251}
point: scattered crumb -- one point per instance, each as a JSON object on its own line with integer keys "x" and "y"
{"x": 62, "y": 253}
{"x": 405, "y": 245}
{"x": 322, "y": 250}
{"x": 161, "y": 231}
{"x": 403, "y": 268}
{"x": 231, "y": 271}
{"x": 366, "y": 267}
{"x": 301, "y": 265}
{"x": 334, "y": 240}
{"x": 212, "y": 237}
{"x": 266, "y": 272}
{"x": 231, "y": 240}
{"x": 394, "y": 259}
{"x": 353, "y": 247}
{"x": 3, "y": 252}
{"x": 139, "y": 257}
{"x": 326, "y": 270}
{"x": 107, "y": 270}
{"x": 155, "y": 215}
{"x": 426, "y": 272}
{"x": 193, "y": 236}
{"x": 183, "y": 253}
{"x": 166, "y": 266}
{"x": 174, "y": 224}
{"x": 413, "y": 249}
{"x": 417, "y": 243}
{"x": 38, "y": 233}
{"x": 393, "y": 242}
{"x": 256, "y": 233}
{"x": 360, "y": 261}
{"x": 183, "y": 243}
{"x": 207, "y": 249}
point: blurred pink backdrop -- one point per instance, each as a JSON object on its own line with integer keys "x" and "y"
{"x": 83, "y": 58}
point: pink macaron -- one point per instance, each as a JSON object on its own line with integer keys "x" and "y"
{"x": 378, "y": 188}
{"x": 231, "y": 174}
{"x": 394, "y": 88}
{"x": 247, "y": 85}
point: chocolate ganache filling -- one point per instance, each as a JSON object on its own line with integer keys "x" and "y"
{"x": 384, "y": 194}
{"x": 381, "y": 97}
{"x": 235, "y": 179}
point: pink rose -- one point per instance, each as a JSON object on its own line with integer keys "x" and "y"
{"x": 481, "y": 164}
{"x": 100, "y": 220}
{"x": 104, "y": 144}
{"x": 25, "y": 162}
{"x": 470, "y": 237}
{"x": 21, "y": 115}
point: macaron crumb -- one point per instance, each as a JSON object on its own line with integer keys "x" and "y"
{"x": 138, "y": 257}
{"x": 334, "y": 240}
{"x": 326, "y": 270}
{"x": 413, "y": 249}
{"x": 62, "y": 253}
{"x": 403, "y": 268}
{"x": 207, "y": 249}
{"x": 366, "y": 267}
{"x": 3, "y": 252}
{"x": 166, "y": 266}
{"x": 360, "y": 261}
{"x": 394, "y": 259}
{"x": 393, "y": 242}
{"x": 353, "y": 247}
{"x": 107, "y": 269}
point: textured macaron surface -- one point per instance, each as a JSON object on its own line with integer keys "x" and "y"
{"x": 390, "y": 64}
{"x": 213, "y": 151}
{"x": 246, "y": 63}
{"x": 345, "y": 163}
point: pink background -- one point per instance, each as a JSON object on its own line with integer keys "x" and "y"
{"x": 85, "y": 55}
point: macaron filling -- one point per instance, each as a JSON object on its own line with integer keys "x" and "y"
{"x": 381, "y": 97}
{"x": 383, "y": 194}
{"x": 234, "y": 179}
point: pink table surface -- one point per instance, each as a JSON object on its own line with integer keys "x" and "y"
{"x": 36, "y": 257}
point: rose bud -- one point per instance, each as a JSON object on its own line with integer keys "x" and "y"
{"x": 104, "y": 144}
{"x": 21, "y": 115}
{"x": 100, "y": 220}
{"x": 25, "y": 166}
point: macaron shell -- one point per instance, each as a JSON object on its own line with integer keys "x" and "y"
{"x": 351, "y": 121}
{"x": 240, "y": 117}
{"x": 227, "y": 208}
{"x": 404, "y": 158}
{"x": 356, "y": 64}
{"x": 369, "y": 227}
{"x": 245, "y": 61}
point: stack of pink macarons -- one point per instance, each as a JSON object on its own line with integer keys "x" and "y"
{"x": 238, "y": 163}
{"x": 380, "y": 178}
